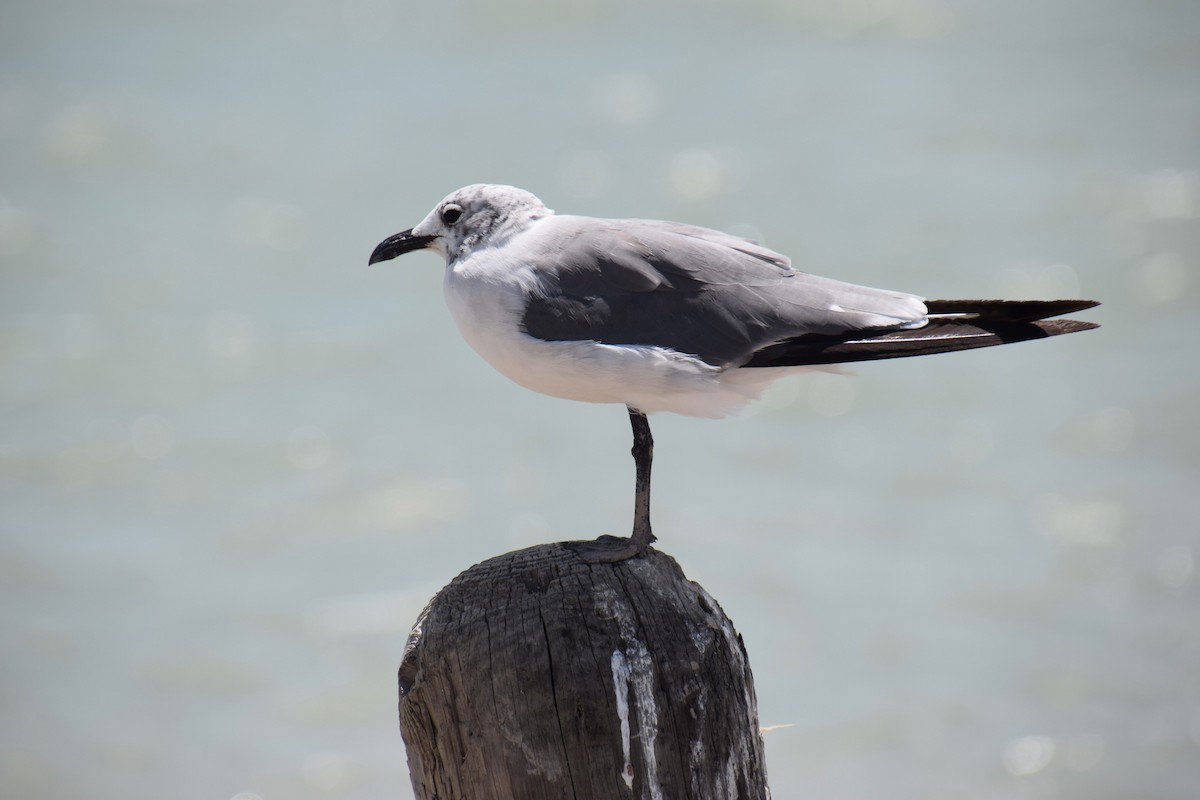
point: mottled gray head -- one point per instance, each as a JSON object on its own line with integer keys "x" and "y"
{"x": 473, "y": 217}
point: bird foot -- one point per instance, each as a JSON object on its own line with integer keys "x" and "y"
{"x": 608, "y": 549}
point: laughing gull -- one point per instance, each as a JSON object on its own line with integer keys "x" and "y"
{"x": 663, "y": 316}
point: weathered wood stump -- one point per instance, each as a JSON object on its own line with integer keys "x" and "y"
{"x": 536, "y": 675}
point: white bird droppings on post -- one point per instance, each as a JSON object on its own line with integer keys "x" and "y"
{"x": 641, "y": 677}
{"x": 633, "y": 668}
{"x": 620, "y": 673}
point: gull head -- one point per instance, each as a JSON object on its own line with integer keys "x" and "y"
{"x": 470, "y": 219}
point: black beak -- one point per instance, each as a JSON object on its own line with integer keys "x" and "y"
{"x": 403, "y": 242}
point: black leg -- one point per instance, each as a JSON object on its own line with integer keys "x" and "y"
{"x": 608, "y": 549}
{"x": 643, "y": 456}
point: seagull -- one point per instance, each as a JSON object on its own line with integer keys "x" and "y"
{"x": 665, "y": 316}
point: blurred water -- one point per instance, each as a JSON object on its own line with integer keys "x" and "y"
{"x": 234, "y": 462}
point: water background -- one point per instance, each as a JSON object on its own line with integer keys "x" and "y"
{"x": 235, "y": 462}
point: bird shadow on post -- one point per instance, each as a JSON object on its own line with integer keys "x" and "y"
{"x": 537, "y": 675}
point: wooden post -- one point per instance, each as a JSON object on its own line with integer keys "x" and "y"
{"x": 536, "y": 675}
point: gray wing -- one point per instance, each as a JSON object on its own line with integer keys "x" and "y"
{"x": 693, "y": 290}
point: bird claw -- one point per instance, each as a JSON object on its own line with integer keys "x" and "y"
{"x": 607, "y": 549}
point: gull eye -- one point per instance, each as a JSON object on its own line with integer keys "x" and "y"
{"x": 451, "y": 213}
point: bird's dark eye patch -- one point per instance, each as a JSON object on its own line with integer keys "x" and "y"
{"x": 451, "y": 213}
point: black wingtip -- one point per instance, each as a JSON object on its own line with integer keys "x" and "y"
{"x": 1055, "y": 327}
{"x": 1007, "y": 310}
{"x": 941, "y": 335}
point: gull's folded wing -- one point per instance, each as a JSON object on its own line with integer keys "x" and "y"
{"x": 953, "y": 325}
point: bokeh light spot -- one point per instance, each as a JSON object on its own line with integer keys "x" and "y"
{"x": 230, "y": 335}
{"x": 1165, "y": 194}
{"x": 1097, "y": 523}
{"x": 327, "y": 771}
{"x": 1034, "y": 281}
{"x": 1027, "y": 755}
{"x": 627, "y": 98}
{"x": 746, "y": 230}
{"x": 1161, "y": 277}
{"x": 79, "y": 134}
{"x": 696, "y": 174}
{"x": 1013, "y": 281}
{"x": 1057, "y": 280}
{"x": 782, "y": 393}
{"x": 407, "y": 503}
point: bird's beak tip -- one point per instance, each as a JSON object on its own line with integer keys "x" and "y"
{"x": 398, "y": 245}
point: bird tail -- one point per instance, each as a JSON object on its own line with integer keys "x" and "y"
{"x": 952, "y": 325}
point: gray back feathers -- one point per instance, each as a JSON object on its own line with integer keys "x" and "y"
{"x": 690, "y": 289}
